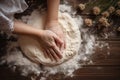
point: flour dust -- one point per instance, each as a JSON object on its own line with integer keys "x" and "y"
{"x": 18, "y": 62}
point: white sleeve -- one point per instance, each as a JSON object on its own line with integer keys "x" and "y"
{"x": 7, "y": 10}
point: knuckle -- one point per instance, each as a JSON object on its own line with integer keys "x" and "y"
{"x": 51, "y": 46}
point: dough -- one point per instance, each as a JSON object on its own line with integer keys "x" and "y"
{"x": 31, "y": 48}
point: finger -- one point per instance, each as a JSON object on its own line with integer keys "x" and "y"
{"x": 64, "y": 44}
{"x": 62, "y": 48}
{"x": 45, "y": 53}
{"x": 57, "y": 51}
{"x": 54, "y": 54}
{"x": 58, "y": 43}
{"x": 58, "y": 40}
{"x": 49, "y": 54}
{"x": 59, "y": 46}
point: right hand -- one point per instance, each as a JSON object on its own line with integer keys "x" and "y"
{"x": 48, "y": 40}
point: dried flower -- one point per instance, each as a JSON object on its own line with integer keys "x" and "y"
{"x": 104, "y": 22}
{"x": 81, "y": 6}
{"x": 96, "y": 10}
{"x": 111, "y": 9}
{"x": 105, "y": 14}
{"x": 118, "y": 29}
{"x": 118, "y": 12}
{"x": 88, "y": 22}
{"x": 118, "y": 3}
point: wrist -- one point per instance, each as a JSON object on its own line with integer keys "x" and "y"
{"x": 38, "y": 33}
{"x": 51, "y": 23}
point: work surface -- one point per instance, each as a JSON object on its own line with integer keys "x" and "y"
{"x": 106, "y": 66}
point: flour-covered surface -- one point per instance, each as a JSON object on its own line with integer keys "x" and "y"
{"x": 32, "y": 48}
{"x": 98, "y": 59}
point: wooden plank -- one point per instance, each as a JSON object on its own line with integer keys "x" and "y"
{"x": 105, "y": 66}
{"x": 98, "y": 70}
{"x": 7, "y": 74}
{"x": 92, "y": 78}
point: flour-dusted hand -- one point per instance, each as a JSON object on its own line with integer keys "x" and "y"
{"x": 52, "y": 21}
{"x": 47, "y": 40}
{"x": 54, "y": 27}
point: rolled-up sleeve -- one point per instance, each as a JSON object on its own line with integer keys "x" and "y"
{"x": 7, "y": 10}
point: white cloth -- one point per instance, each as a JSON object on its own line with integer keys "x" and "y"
{"x": 7, "y": 10}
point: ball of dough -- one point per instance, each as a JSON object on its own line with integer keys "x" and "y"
{"x": 32, "y": 49}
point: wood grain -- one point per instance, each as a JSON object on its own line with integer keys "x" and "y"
{"x": 105, "y": 66}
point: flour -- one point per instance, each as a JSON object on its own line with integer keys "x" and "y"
{"x": 32, "y": 49}
{"x": 17, "y": 61}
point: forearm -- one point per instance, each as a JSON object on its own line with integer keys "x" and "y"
{"x": 22, "y": 28}
{"x": 52, "y": 10}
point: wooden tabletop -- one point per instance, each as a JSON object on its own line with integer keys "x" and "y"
{"x": 106, "y": 66}
{"x": 106, "y": 63}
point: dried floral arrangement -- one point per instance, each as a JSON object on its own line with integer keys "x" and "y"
{"x": 101, "y": 17}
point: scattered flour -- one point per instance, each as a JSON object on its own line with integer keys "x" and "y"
{"x": 18, "y": 62}
{"x": 32, "y": 49}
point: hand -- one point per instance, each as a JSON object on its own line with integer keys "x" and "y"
{"x": 54, "y": 27}
{"x": 47, "y": 39}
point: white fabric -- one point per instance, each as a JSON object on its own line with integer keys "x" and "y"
{"x": 32, "y": 49}
{"x": 7, "y": 10}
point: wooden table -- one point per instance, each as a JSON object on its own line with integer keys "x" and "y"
{"x": 105, "y": 66}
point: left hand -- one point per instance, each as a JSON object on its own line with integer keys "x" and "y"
{"x": 54, "y": 26}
